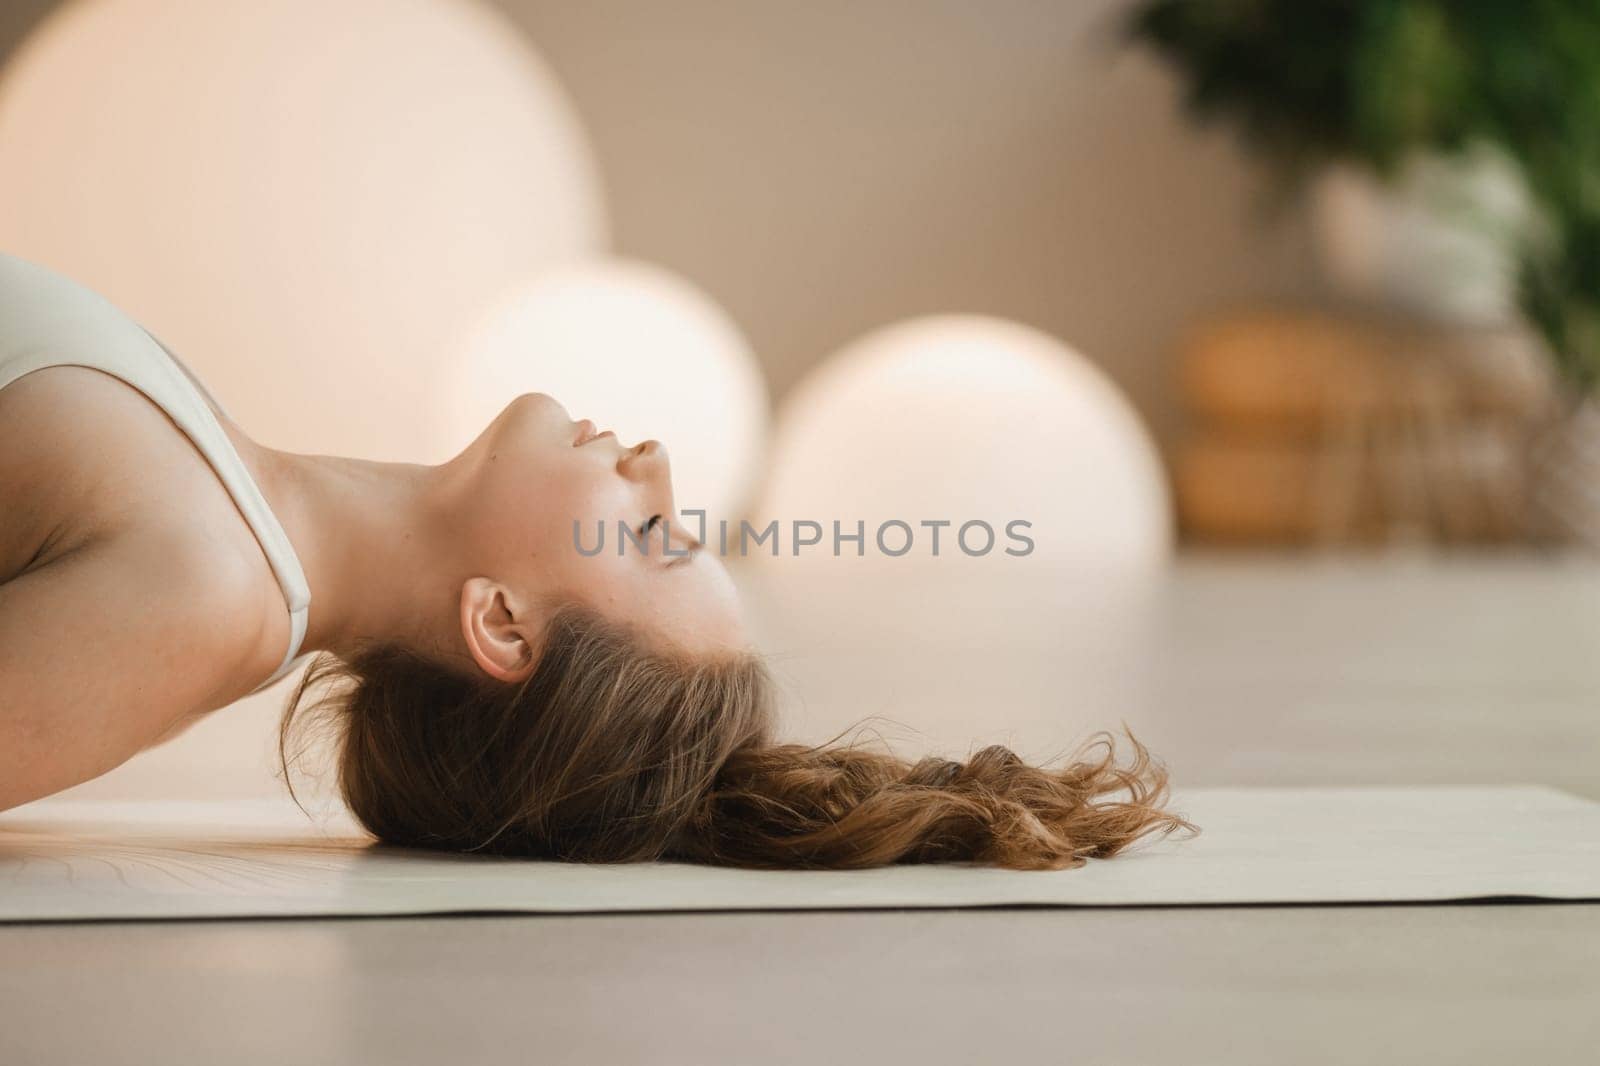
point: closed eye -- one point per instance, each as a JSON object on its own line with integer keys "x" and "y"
{"x": 644, "y": 530}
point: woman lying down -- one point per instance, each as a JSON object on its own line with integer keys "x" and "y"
{"x": 493, "y": 688}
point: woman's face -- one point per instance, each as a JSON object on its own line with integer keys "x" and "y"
{"x": 535, "y": 473}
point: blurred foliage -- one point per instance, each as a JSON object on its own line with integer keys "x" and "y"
{"x": 1309, "y": 82}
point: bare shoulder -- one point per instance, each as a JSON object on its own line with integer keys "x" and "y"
{"x": 132, "y": 593}
{"x": 79, "y": 453}
{"x": 85, "y": 458}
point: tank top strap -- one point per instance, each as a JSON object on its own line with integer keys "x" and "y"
{"x": 47, "y": 320}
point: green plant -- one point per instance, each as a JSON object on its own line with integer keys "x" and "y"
{"x": 1309, "y": 82}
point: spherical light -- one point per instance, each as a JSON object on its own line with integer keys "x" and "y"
{"x": 301, "y": 199}
{"x": 974, "y": 422}
{"x": 634, "y": 348}
{"x": 962, "y": 420}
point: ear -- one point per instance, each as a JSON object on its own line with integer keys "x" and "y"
{"x": 501, "y": 639}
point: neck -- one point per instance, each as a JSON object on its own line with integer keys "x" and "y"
{"x": 370, "y": 538}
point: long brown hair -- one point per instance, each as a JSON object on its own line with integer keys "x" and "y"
{"x": 614, "y": 750}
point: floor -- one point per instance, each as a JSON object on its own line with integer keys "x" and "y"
{"x": 1393, "y": 985}
{"x": 1240, "y": 672}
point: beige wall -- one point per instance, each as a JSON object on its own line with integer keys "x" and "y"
{"x": 825, "y": 168}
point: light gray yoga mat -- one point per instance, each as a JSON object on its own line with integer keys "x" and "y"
{"x": 63, "y": 861}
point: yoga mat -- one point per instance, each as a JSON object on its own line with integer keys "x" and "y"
{"x": 66, "y": 861}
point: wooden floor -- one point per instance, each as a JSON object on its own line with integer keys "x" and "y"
{"x": 1240, "y": 671}
{"x": 1258, "y": 672}
{"x": 1392, "y": 985}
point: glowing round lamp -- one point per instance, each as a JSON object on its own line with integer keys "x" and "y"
{"x": 944, "y": 424}
{"x": 636, "y": 349}
{"x": 978, "y": 424}
{"x": 300, "y": 198}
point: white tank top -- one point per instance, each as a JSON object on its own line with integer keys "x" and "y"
{"x": 47, "y": 320}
